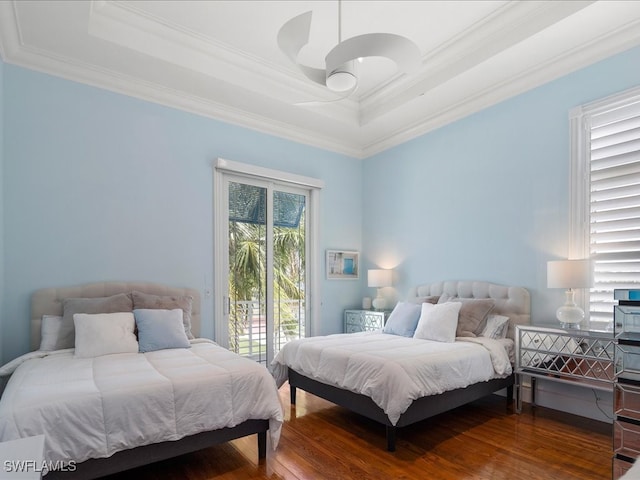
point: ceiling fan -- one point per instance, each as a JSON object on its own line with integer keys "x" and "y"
{"x": 340, "y": 74}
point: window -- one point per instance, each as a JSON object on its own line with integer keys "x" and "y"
{"x": 605, "y": 201}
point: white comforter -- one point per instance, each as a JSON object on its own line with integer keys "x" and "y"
{"x": 94, "y": 407}
{"x": 391, "y": 369}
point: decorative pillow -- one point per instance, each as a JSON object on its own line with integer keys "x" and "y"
{"x": 438, "y": 322}
{"x": 427, "y": 299}
{"x": 159, "y": 329}
{"x": 116, "y": 303}
{"x": 496, "y": 328}
{"x": 473, "y": 315}
{"x": 148, "y": 301}
{"x": 50, "y": 332}
{"x": 403, "y": 319}
{"x": 104, "y": 334}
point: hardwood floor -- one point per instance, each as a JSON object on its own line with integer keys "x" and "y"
{"x": 483, "y": 440}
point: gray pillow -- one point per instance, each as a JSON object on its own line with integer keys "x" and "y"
{"x": 496, "y": 327}
{"x": 159, "y": 329}
{"x": 166, "y": 302}
{"x": 70, "y": 306}
{"x": 473, "y": 316}
{"x": 403, "y": 320}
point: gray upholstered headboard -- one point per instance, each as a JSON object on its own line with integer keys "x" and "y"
{"x": 48, "y": 301}
{"x": 513, "y": 302}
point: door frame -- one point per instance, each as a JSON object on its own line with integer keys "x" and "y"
{"x": 224, "y": 169}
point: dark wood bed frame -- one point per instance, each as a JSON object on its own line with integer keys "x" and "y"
{"x": 136, "y": 457}
{"x": 513, "y": 302}
{"x": 421, "y": 408}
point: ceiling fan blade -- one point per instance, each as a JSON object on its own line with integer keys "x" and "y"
{"x": 294, "y": 35}
{"x": 401, "y": 50}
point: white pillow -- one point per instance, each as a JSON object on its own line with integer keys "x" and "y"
{"x": 49, "y": 332}
{"x": 497, "y": 327}
{"x": 438, "y": 322}
{"x": 104, "y": 333}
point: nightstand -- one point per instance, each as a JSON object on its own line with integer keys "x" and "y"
{"x": 364, "y": 320}
{"x": 577, "y": 357}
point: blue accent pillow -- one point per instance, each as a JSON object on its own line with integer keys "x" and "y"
{"x": 403, "y": 320}
{"x": 159, "y": 329}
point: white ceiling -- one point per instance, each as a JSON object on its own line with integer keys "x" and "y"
{"x": 220, "y": 58}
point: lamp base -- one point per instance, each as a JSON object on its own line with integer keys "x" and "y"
{"x": 570, "y": 315}
{"x": 379, "y": 303}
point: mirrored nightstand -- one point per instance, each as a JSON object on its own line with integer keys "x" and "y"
{"x": 364, "y": 320}
{"x": 578, "y": 357}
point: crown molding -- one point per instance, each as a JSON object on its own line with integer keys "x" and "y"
{"x": 10, "y": 37}
{"x": 69, "y": 69}
{"x": 506, "y": 27}
{"x": 125, "y": 25}
{"x": 569, "y": 61}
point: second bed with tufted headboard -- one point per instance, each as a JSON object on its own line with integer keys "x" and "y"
{"x": 513, "y": 302}
{"x": 389, "y": 378}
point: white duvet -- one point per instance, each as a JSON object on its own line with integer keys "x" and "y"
{"x": 391, "y": 369}
{"x": 94, "y": 407}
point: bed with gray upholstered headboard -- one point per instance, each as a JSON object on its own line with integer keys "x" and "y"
{"x": 49, "y": 301}
{"x": 383, "y": 356}
{"x": 102, "y": 413}
{"x": 513, "y": 302}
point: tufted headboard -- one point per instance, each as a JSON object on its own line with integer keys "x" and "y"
{"x": 513, "y": 302}
{"x": 48, "y": 301}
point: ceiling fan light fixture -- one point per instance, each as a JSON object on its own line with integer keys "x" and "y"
{"x": 340, "y": 74}
{"x": 342, "y": 79}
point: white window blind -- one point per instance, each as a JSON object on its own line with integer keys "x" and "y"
{"x": 612, "y": 221}
{"x": 615, "y": 205}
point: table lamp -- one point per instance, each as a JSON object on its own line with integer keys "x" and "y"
{"x": 569, "y": 274}
{"x": 378, "y": 279}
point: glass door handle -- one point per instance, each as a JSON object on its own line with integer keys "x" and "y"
{"x": 226, "y": 306}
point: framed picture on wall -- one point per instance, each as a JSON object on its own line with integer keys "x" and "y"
{"x": 343, "y": 265}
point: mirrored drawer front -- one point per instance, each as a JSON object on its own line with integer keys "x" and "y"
{"x": 352, "y": 328}
{"x": 626, "y": 400}
{"x": 627, "y": 361}
{"x": 620, "y": 467}
{"x": 363, "y": 320}
{"x": 626, "y": 438}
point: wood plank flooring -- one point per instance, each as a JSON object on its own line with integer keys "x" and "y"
{"x": 483, "y": 440}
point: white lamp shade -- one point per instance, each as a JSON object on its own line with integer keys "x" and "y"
{"x": 569, "y": 274}
{"x": 379, "y": 278}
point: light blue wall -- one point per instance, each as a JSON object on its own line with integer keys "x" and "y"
{"x": 100, "y": 186}
{"x": 487, "y": 197}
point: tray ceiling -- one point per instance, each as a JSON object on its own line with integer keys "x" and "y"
{"x": 220, "y": 58}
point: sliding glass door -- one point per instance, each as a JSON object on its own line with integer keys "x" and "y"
{"x": 264, "y": 291}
